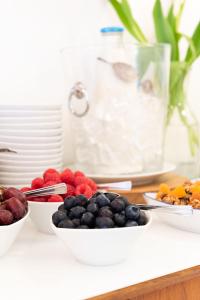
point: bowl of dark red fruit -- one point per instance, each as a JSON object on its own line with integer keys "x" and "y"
{"x": 42, "y": 207}
{"x": 13, "y": 214}
{"x": 101, "y": 230}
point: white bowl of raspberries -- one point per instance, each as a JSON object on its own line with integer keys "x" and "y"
{"x": 13, "y": 214}
{"x": 42, "y": 208}
{"x": 101, "y": 230}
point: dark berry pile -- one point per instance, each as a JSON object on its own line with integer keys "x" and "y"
{"x": 13, "y": 206}
{"x": 103, "y": 210}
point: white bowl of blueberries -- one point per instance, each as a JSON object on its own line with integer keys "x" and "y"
{"x": 101, "y": 230}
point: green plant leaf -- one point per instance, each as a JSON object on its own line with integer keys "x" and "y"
{"x": 196, "y": 42}
{"x": 171, "y": 18}
{"x": 179, "y": 14}
{"x": 163, "y": 30}
{"x": 124, "y": 13}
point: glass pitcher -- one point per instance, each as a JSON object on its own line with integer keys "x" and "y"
{"x": 117, "y": 95}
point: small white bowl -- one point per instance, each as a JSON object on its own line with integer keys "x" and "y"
{"x": 8, "y": 157}
{"x": 186, "y": 223}
{"x": 30, "y": 126}
{"x": 38, "y": 133}
{"x": 30, "y": 120}
{"x": 101, "y": 246}
{"x": 31, "y": 140}
{"x": 29, "y": 113}
{"x": 36, "y": 169}
{"x": 41, "y": 215}
{"x": 8, "y": 234}
{"x": 35, "y": 107}
{"x": 33, "y": 147}
{"x": 29, "y": 163}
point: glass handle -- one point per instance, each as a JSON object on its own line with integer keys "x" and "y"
{"x": 78, "y": 92}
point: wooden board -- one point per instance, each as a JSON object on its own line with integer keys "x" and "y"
{"x": 182, "y": 285}
{"x": 135, "y": 195}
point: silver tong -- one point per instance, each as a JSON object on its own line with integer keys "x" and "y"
{"x": 60, "y": 188}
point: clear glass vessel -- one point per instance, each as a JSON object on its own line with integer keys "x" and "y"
{"x": 117, "y": 94}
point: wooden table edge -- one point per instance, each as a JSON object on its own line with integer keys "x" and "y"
{"x": 152, "y": 285}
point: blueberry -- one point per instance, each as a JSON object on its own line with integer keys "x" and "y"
{"x": 76, "y": 212}
{"x": 124, "y": 199}
{"x": 69, "y": 202}
{"x": 105, "y": 211}
{"x": 131, "y": 223}
{"x": 102, "y": 200}
{"x": 104, "y": 222}
{"x": 66, "y": 224}
{"x": 83, "y": 227}
{"x": 119, "y": 219}
{"x": 58, "y": 216}
{"x": 93, "y": 208}
{"x": 76, "y": 222}
{"x": 87, "y": 219}
{"x": 61, "y": 207}
{"x": 132, "y": 212}
{"x": 81, "y": 200}
{"x": 117, "y": 205}
{"x": 142, "y": 219}
{"x": 111, "y": 196}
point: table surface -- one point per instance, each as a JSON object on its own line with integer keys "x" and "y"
{"x": 38, "y": 266}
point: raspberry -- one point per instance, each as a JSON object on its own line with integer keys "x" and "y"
{"x": 25, "y": 189}
{"x": 79, "y": 173}
{"x": 80, "y": 180}
{"x": 55, "y": 177}
{"x": 70, "y": 191}
{"x": 84, "y": 189}
{"x": 67, "y": 176}
{"x": 91, "y": 184}
{"x": 55, "y": 198}
{"x": 49, "y": 172}
{"x": 48, "y": 183}
{"x": 37, "y": 183}
{"x": 38, "y": 199}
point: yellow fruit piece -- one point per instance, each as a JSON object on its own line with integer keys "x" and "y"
{"x": 178, "y": 192}
{"x": 195, "y": 189}
{"x": 164, "y": 188}
{"x": 196, "y": 195}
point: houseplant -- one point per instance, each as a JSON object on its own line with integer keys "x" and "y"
{"x": 167, "y": 31}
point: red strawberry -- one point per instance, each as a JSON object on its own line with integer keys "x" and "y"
{"x": 52, "y": 177}
{"x": 37, "y": 183}
{"x": 39, "y": 199}
{"x": 67, "y": 176}
{"x": 48, "y": 173}
{"x": 70, "y": 191}
{"x": 84, "y": 189}
{"x": 25, "y": 189}
{"x": 48, "y": 183}
{"x": 55, "y": 198}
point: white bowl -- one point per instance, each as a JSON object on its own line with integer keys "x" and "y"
{"x": 31, "y": 140}
{"x": 101, "y": 246}
{"x": 30, "y": 126}
{"x": 35, "y": 107}
{"x": 41, "y": 215}
{"x": 30, "y": 120}
{"x": 18, "y": 133}
{"x": 29, "y": 163}
{"x": 33, "y": 147}
{"x": 186, "y": 223}
{"x": 21, "y": 170}
{"x": 8, "y": 234}
{"x": 9, "y": 157}
{"x": 29, "y": 113}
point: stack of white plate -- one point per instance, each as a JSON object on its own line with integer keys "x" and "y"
{"x": 35, "y": 133}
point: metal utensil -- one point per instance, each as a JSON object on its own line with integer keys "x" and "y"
{"x": 60, "y": 188}
{"x": 185, "y": 210}
{"x": 123, "y": 71}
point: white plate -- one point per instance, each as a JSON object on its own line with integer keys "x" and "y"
{"x": 30, "y": 107}
{"x": 5, "y": 133}
{"x": 30, "y": 126}
{"x": 29, "y": 113}
{"x": 137, "y": 179}
{"x": 30, "y": 140}
{"x": 30, "y": 120}
{"x": 186, "y": 223}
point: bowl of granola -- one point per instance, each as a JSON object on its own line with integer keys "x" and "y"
{"x": 186, "y": 194}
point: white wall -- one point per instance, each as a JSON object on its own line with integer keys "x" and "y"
{"x": 33, "y": 31}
